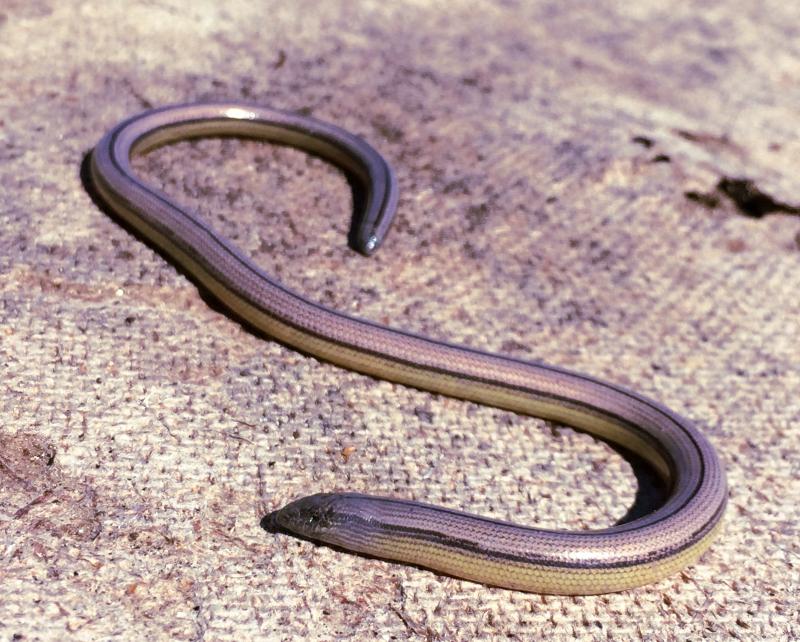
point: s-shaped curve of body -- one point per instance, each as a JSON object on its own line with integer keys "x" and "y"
{"x": 460, "y": 544}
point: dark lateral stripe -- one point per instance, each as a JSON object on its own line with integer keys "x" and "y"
{"x": 469, "y": 546}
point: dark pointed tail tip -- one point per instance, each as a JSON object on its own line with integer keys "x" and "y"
{"x": 367, "y": 245}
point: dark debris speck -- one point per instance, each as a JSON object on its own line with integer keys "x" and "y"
{"x": 750, "y": 200}
{"x": 701, "y": 198}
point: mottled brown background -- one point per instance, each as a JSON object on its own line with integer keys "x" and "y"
{"x": 559, "y": 165}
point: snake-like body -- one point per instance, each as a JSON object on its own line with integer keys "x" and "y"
{"x": 456, "y": 543}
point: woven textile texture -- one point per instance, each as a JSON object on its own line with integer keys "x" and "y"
{"x": 607, "y": 186}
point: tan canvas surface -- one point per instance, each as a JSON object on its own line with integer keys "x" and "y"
{"x": 569, "y": 193}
